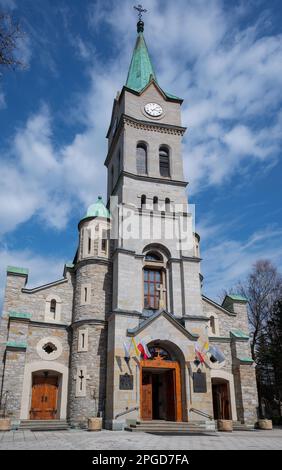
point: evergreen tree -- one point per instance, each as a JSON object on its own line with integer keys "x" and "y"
{"x": 275, "y": 349}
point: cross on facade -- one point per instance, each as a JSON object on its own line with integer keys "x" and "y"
{"x": 140, "y": 10}
{"x": 81, "y": 377}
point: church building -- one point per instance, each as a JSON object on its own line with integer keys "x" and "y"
{"x": 127, "y": 334}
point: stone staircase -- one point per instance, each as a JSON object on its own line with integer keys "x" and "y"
{"x": 238, "y": 426}
{"x": 169, "y": 427}
{"x": 44, "y": 425}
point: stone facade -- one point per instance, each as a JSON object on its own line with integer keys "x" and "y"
{"x": 76, "y": 329}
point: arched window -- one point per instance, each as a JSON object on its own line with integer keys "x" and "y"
{"x": 212, "y": 325}
{"x": 164, "y": 161}
{"x": 155, "y": 203}
{"x": 152, "y": 256}
{"x": 141, "y": 159}
{"x": 152, "y": 288}
{"x": 158, "y": 353}
{"x": 53, "y": 307}
{"x": 167, "y": 204}
{"x": 143, "y": 201}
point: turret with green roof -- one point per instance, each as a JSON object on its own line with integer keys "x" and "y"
{"x": 98, "y": 209}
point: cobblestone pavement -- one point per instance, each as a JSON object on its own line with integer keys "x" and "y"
{"x": 122, "y": 440}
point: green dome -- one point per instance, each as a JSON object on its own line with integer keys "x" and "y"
{"x": 98, "y": 209}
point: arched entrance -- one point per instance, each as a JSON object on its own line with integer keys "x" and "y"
{"x": 160, "y": 386}
{"x": 221, "y": 399}
{"x": 45, "y": 395}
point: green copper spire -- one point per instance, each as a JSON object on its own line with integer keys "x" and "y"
{"x": 141, "y": 69}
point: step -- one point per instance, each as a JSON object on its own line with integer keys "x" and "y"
{"x": 169, "y": 429}
{"x": 161, "y": 426}
{"x": 44, "y": 425}
{"x": 170, "y": 423}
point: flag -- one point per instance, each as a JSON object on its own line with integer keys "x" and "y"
{"x": 216, "y": 354}
{"x": 147, "y": 352}
{"x": 142, "y": 351}
{"x": 199, "y": 353}
{"x": 126, "y": 350}
{"x": 137, "y": 353}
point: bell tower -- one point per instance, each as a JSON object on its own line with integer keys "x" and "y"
{"x": 144, "y": 137}
{"x": 145, "y": 174}
{"x": 156, "y": 267}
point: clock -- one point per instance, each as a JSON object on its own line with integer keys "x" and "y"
{"x": 153, "y": 109}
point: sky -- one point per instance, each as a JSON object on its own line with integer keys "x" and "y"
{"x": 224, "y": 58}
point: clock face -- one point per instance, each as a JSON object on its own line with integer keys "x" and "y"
{"x": 153, "y": 109}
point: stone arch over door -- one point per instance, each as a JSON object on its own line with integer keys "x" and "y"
{"x": 39, "y": 366}
{"x": 227, "y": 377}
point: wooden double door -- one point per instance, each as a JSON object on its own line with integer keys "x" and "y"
{"x": 44, "y": 397}
{"x": 221, "y": 401}
{"x": 160, "y": 394}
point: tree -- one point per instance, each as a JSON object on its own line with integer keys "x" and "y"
{"x": 275, "y": 349}
{"x": 10, "y": 35}
{"x": 262, "y": 288}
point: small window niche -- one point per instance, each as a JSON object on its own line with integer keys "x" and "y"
{"x": 104, "y": 242}
{"x": 82, "y": 340}
{"x": 53, "y": 306}
{"x": 85, "y": 294}
{"x": 213, "y": 325}
{"x": 164, "y": 161}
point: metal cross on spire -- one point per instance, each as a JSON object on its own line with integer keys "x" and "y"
{"x": 140, "y": 10}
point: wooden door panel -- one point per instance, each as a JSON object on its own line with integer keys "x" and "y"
{"x": 170, "y": 387}
{"x": 221, "y": 402}
{"x": 146, "y": 391}
{"x": 44, "y": 398}
{"x": 146, "y": 396}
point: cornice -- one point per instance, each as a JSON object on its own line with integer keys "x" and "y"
{"x": 155, "y": 126}
{"x": 45, "y": 286}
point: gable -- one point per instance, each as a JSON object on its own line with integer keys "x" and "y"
{"x": 164, "y": 325}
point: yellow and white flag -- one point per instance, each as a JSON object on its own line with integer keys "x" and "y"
{"x": 137, "y": 352}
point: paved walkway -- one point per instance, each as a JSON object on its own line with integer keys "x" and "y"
{"x": 122, "y": 440}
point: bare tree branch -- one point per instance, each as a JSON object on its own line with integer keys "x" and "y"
{"x": 10, "y": 35}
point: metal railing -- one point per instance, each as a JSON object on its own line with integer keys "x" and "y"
{"x": 127, "y": 411}
{"x": 201, "y": 413}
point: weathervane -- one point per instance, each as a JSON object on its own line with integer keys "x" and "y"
{"x": 140, "y": 24}
{"x": 140, "y": 10}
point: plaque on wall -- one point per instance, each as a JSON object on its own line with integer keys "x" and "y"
{"x": 199, "y": 382}
{"x": 126, "y": 382}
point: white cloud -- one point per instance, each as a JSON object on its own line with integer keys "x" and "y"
{"x": 8, "y": 4}
{"x": 2, "y": 100}
{"x": 226, "y": 261}
{"x": 228, "y": 77}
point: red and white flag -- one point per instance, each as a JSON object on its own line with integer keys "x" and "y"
{"x": 142, "y": 347}
{"x": 199, "y": 353}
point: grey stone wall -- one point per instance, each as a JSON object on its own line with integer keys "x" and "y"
{"x": 80, "y": 408}
{"x": 20, "y": 299}
{"x": 97, "y": 273}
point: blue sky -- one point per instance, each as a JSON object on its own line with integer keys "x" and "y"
{"x": 224, "y": 58}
